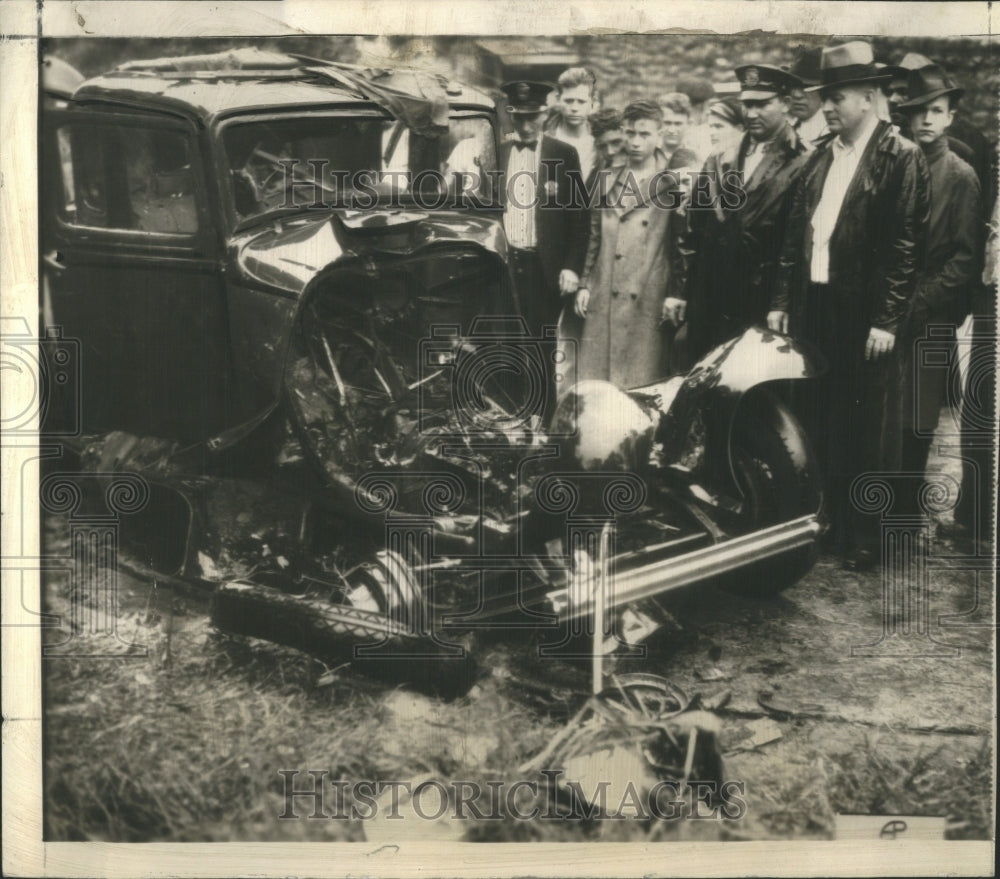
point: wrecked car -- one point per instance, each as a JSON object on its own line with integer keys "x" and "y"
{"x": 303, "y": 336}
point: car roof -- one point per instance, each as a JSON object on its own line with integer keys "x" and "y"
{"x": 207, "y": 87}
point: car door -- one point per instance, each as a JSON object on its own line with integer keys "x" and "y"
{"x": 131, "y": 267}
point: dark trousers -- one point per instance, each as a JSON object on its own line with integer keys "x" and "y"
{"x": 847, "y": 413}
{"x": 539, "y": 304}
{"x": 538, "y": 301}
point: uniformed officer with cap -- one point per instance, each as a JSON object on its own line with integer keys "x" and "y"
{"x": 730, "y": 256}
{"x": 547, "y": 232}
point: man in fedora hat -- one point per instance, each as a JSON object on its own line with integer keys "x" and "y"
{"x": 804, "y": 106}
{"x": 847, "y": 272}
{"x": 730, "y": 256}
{"x": 895, "y": 87}
{"x": 953, "y": 247}
{"x": 547, "y": 232}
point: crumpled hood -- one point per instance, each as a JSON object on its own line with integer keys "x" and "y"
{"x": 289, "y": 253}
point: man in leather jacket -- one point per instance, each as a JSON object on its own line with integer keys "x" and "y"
{"x": 846, "y": 275}
{"x": 730, "y": 256}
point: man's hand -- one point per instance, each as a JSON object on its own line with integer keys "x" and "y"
{"x": 568, "y": 282}
{"x": 582, "y": 301}
{"x": 879, "y": 342}
{"x": 777, "y": 321}
{"x": 673, "y": 310}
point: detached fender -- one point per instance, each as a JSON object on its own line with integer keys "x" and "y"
{"x": 704, "y": 403}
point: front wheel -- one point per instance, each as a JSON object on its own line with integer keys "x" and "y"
{"x": 776, "y": 474}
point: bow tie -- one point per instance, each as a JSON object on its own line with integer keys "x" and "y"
{"x": 525, "y": 144}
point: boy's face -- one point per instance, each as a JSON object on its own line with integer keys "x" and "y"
{"x": 685, "y": 181}
{"x": 642, "y": 137}
{"x": 577, "y": 105}
{"x": 719, "y": 131}
{"x": 674, "y": 126}
{"x": 611, "y": 145}
{"x": 931, "y": 121}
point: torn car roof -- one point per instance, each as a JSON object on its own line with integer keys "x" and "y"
{"x": 241, "y": 80}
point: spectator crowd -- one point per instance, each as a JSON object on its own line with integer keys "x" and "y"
{"x": 836, "y": 199}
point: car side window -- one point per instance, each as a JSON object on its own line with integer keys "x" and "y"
{"x": 127, "y": 177}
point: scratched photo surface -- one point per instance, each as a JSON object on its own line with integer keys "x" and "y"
{"x": 510, "y": 439}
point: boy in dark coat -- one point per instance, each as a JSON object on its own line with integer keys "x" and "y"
{"x": 952, "y": 263}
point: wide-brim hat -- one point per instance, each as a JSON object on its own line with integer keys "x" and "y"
{"x": 525, "y": 97}
{"x": 807, "y": 66}
{"x": 926, "y": 84}
{"x": 849, "y": 64}
{"x": 911, "y": 61}
{"x": 759, "y": 82}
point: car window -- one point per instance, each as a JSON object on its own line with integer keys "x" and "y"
{"x": 127, "y": 177}
{"x": 279, "y": 163}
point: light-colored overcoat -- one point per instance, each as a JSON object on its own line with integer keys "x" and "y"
{"x": 626, "y": 272}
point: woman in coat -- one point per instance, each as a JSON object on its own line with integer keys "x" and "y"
{"x": 625, "y": 274}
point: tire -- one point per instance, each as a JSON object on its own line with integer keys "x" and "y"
{"x": 372, "y": 643}
{"x": 775, "y": 487}
{"x": 765, "y": 475}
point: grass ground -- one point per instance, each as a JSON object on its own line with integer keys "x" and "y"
{"x": 186, "y": 744}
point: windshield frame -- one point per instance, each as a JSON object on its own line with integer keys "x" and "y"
{"x": 227, "y": 195}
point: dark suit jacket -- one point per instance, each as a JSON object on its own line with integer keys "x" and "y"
{"x": 561, "y": 227}
{"x": 730, "y": 257}
{"x": 952, "y": 270}
{"x": 982, "y": 157}
{"x": 877, "y": 246}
